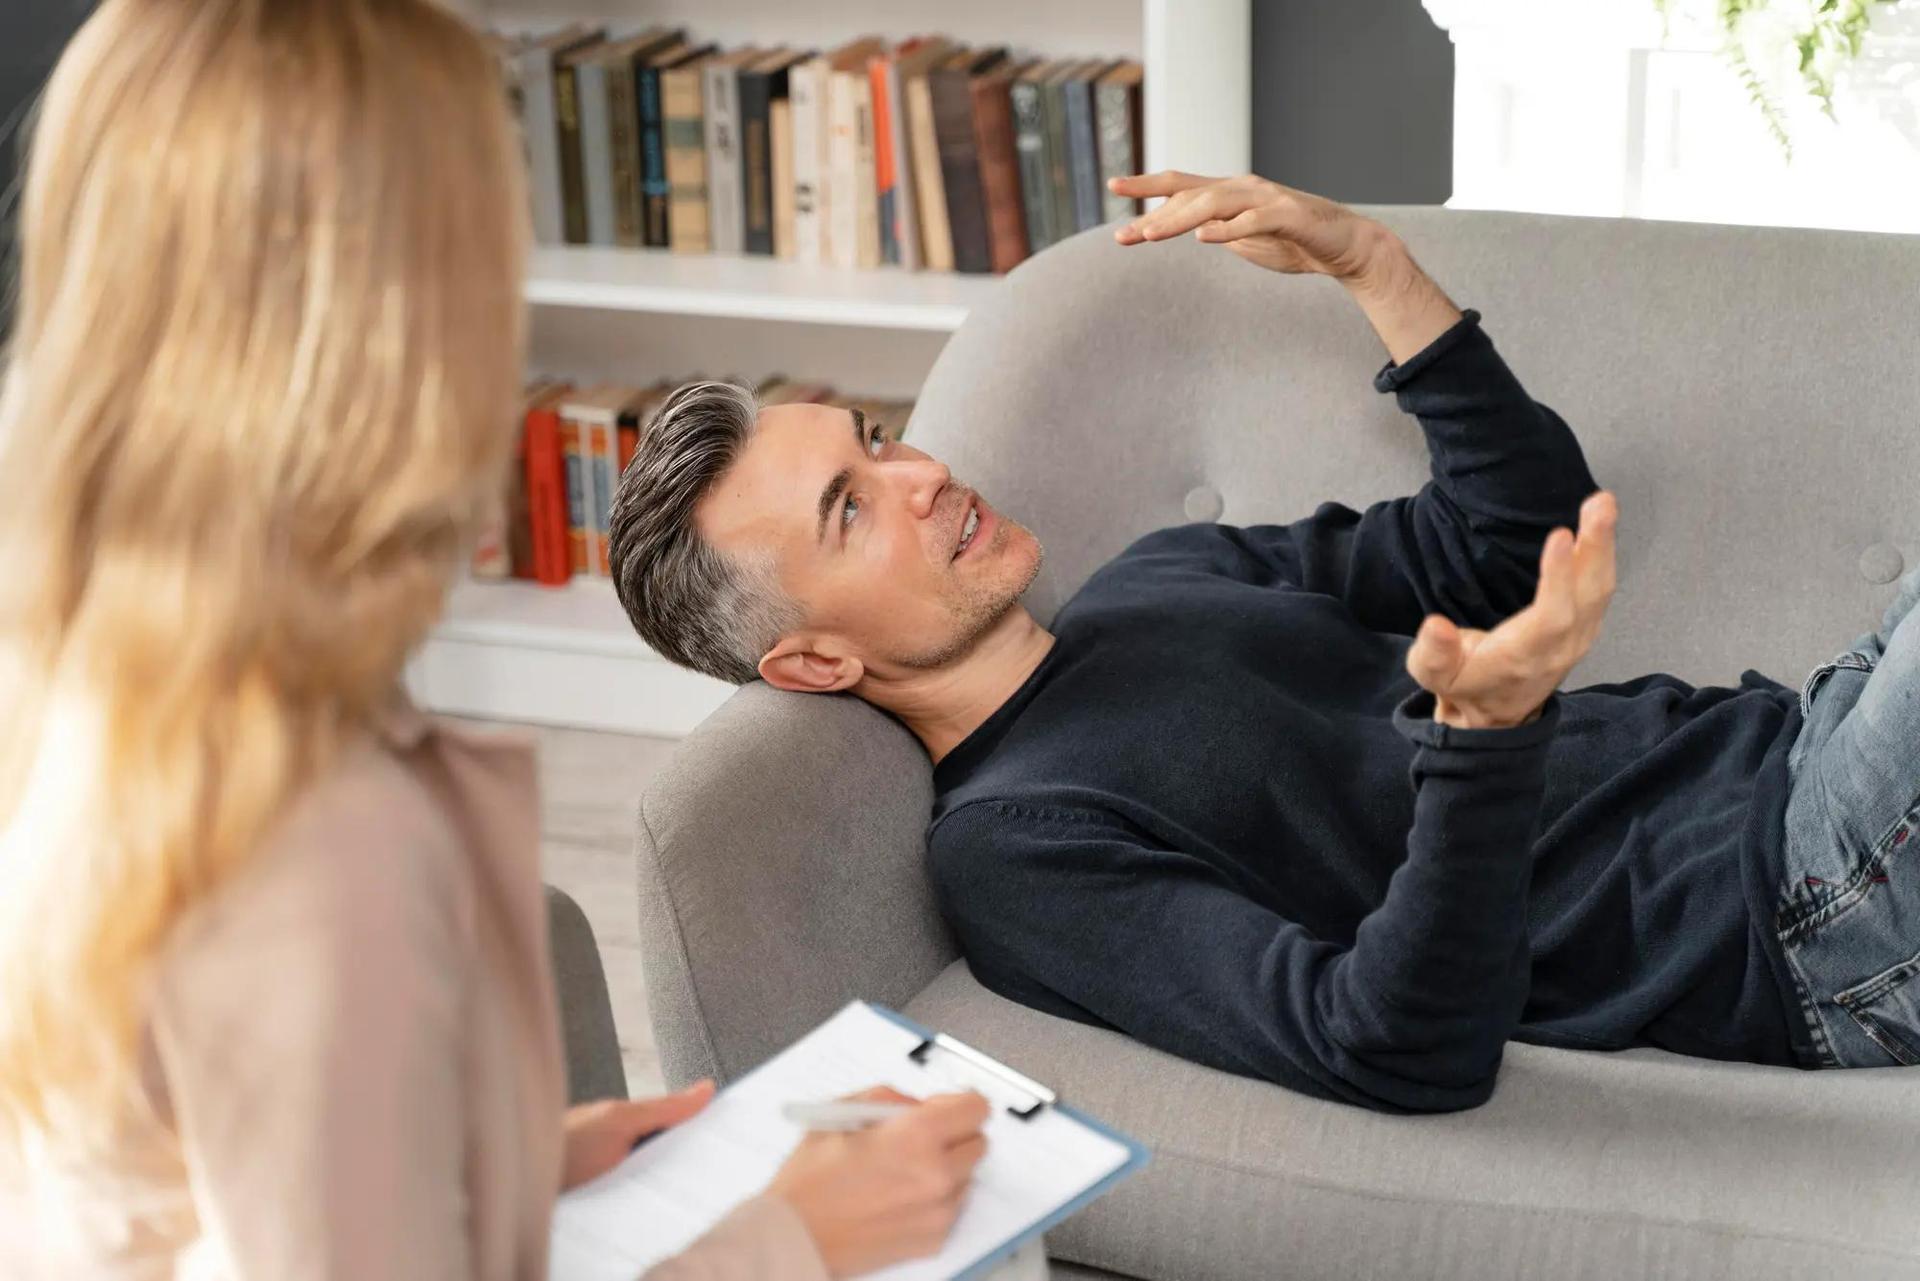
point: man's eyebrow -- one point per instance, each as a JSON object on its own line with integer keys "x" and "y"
{"x": 841, "y": 479}
{"x": 829, "y": 496}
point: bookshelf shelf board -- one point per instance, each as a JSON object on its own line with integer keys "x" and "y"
{"x": 514, "y": 651}
{"x": 584, "y": 616}
{"x": 751, "y": 288}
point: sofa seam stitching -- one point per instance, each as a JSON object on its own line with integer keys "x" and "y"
{"x": 680, "y": 941}
{"x": 1606, "y": 1216}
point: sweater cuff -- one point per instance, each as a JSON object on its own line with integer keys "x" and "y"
{"x": 1414, "y": 719}
{"x": 1393, "y": 377}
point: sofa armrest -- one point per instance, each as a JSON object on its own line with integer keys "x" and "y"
{"x": 594, "y": 1066}
{"x": 781, "y": 863}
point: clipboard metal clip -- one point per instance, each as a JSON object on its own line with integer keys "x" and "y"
{"x": 959, "y": 1064}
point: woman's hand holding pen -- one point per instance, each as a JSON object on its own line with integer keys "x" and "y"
{"x": 889, "y": 1192}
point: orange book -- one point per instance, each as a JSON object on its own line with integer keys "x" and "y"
{"x": 546, "y": 488}
{"x": 884, "y": 168}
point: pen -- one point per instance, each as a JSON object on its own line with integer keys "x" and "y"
{"x": 841, "y": 1116}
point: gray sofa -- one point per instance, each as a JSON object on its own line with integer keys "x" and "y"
{"x": 1751, "y": 395}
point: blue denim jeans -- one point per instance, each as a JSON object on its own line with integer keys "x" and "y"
{"x": 1849, "y": 905}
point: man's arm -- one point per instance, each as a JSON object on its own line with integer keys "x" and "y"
{"x": 1506, "y": 469}
{"x": 1083, "y": 914}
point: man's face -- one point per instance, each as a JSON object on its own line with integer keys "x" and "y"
{"x": 895, "y": 564}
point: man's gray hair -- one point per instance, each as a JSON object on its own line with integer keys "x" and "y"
{"x": 697, "y": 607}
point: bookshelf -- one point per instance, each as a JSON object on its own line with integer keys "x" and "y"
{"x": 752, "y": 289}
{"x": 515, "y": 651}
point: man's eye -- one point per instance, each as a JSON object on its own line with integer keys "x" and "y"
{"x": 847, "y": 512}
{"x": 879, "y": 439}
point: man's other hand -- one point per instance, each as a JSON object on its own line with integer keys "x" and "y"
{"x": 1273, "y": 226}
{"x": 1499, "y": 679}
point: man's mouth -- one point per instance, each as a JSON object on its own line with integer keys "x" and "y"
{"x": 969, "y": 526}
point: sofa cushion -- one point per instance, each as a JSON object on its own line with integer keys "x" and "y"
{"x": 1638, "y": 1163}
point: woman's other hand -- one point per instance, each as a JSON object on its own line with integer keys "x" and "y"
{"x": 600, "y": 1135}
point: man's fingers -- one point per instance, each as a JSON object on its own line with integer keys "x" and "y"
{"x": 1248, "y": 222}
{"x": 1554, "y": 602}
{"x": 1192, "y": 209}
{"x": 1437, "y": 654}
{"x": 1143, "y": 186}
{"x": 1594, "y": 550}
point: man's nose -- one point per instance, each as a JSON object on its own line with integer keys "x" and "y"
{"x": 925, "y": 478}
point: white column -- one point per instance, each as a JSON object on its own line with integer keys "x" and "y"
{"x": 1199, "y": 85}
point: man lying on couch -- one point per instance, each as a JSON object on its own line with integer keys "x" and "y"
{"x": 1185, "y": 812}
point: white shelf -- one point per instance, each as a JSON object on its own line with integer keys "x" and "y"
{"x": 659, "y": 280}
{"x": 567, "y": 656}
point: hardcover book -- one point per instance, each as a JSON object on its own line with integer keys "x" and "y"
{"x": 1083, "y": 145}
{"x": 850, "y": 207}
{"x": 620, "y": 69}
{"x": 596, "y": 146}
{"x": 534, "y": 63}
{"x": 999, "y": 167}
{"x": 911, "y": 60}
{"x": 807, "y": 105}
{"x": 951, "y": 88}
{"x": 1117, "y": 111}
{"x": 682, "y": 91}
{"x": 546, "y": 481}
{"x": 656, "y": 191}
{"x": 726, "y": 218}
{"x": 780, "y": 134}
{"x": 929, "y": 188}
{"x": 573, "y": 165}
{"x": 763, "y": 82}
{"x": 1030, "y": 143}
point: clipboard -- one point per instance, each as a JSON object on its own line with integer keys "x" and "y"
{"x": 1055, "y": 1160}
{"x": 1000, "y": 1078}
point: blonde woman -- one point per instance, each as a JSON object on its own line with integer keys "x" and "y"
{"x": 274, "y": 996}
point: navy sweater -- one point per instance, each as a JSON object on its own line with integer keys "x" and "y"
{"x": 1219, "y": 816}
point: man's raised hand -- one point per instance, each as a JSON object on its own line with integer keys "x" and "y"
{"x": 1273, "y": 226}
{"x": 1498, "y": 679}
{"x": 1290, "y": 231}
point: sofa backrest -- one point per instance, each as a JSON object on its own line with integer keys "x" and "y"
{"x": 1752, "y": 395}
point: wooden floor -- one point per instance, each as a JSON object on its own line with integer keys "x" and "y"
{"x": 590, "y": 786}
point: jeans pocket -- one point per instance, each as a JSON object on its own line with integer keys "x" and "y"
{"x": 1850, "y": 661}
{"x": 1887, "y": 1008}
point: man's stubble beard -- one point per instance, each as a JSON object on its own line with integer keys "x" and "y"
{"x": 975, "y": 616}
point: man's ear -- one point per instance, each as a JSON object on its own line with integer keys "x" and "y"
{"x": 793, "y": 664}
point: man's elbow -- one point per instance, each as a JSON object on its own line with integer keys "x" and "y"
{"x": 1418, "y": 1084}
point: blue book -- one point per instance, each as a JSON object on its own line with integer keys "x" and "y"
{"x": 655, "y": 191}
{"x": 1083, "y": 146}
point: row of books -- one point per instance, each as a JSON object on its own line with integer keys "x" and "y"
{"x": 575, "y": 443}
{"x": 926, "y": 153}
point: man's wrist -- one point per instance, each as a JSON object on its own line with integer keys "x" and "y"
{"x": 1402, "y": 303}
{"x": 1386, "y": 265}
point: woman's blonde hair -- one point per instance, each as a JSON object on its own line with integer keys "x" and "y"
{"x": 258, "y": 397}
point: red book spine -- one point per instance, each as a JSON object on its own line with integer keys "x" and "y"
{"x": 547, "y": 497}
{"x": 885, "y": 174}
